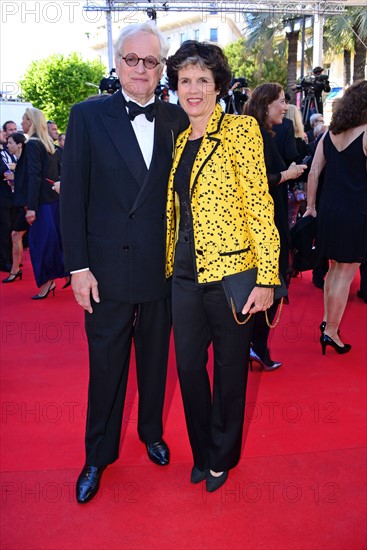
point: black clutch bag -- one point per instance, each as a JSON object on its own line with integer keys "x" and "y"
{"x": 238, "y": 287}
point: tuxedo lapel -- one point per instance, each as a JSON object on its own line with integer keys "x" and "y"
{"x": 118, "y": 126}
{"x": 165, "y": 133}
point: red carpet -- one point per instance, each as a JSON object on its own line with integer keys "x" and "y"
{"x": 299, "y": 486}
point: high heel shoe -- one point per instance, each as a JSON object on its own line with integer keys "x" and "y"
{"x": 323, "y": 327}
{"x": 43, "y": 296}
{"x": 197, "y": 476}
{"x": 67, "y": 284}
{"x": 215, "y": 482}
{"x": 13, "y": 277}
{"x": 272, "y": 365}
{"x": 325, "y": 341}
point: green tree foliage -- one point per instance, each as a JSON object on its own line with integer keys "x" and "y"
{"x": 241, "y": 63}
{"x": 256, "y": 65}
{"x": 55, "y": 83}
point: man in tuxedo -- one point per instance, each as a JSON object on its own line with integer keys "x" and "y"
{"x": 116, "y": 163}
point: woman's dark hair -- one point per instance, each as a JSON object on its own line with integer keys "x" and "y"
{"x": 261, "y": 97}
{"x": 205, "y": 55}
{"x": 18, "y": 137}
{"x": 351, "y": 110}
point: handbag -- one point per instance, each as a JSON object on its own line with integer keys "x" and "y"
{"x": 238, "y": 287}
{"x": 303, "y": 236}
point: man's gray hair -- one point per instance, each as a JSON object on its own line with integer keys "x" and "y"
{"x": 314, "y": 119}
{"x": 319, "y": 129}
{"x": 148, "y": 27}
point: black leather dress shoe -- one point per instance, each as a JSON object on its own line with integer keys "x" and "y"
{"x": 88, "y": 483}
{"x": 158, "y": 452}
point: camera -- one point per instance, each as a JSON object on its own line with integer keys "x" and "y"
{"x": 314, "y": 84}
{"x": 161, "y": 89}
{"x": 110, "y": 84}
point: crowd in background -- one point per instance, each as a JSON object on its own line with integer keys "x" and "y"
{"x": 294, "y": 144}
{"x": 29, "y": 190}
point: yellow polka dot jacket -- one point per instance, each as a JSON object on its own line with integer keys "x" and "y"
{"x": 232, "y": 211}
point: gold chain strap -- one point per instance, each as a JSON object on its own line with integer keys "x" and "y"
{"x": 235, "y": 315}
{"x": 279, "y": 313}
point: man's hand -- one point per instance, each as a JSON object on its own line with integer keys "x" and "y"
{"x": 83, "y": 284}
{"x": 260, "y": 299}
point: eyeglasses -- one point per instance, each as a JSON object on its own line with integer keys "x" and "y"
{"x": 149, "y": 61}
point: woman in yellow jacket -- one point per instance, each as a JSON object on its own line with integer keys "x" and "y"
{"x": 220, "y": 222}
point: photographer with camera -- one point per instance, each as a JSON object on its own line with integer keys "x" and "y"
{"x": 110, "y": 84}
{"x": 237, "y": 96}
{"x": 312, "y": 87}
{"x": 321, "y": 84}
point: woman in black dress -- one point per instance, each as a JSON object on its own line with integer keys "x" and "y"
{"x": 342, "y": 212}
{"x": 267, "y": 104}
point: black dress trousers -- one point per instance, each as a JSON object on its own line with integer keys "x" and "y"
{"x": 201, "y": 316}
{"x": 110, "y": 329}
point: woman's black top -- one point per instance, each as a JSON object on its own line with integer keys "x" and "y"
{"x": 279, "y": 191}
{"x": 41, "y": 166}
{"x": 182, "y": 182}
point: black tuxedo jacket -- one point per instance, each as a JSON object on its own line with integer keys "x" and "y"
{"x": 112, "y": 207}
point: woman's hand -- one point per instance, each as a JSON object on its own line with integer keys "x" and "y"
{"x": 260, "y": 299}
{"x": 310, "y": 211}
{"x": 8, "y": 175}
{"x": 30, "y": 216}
{"x": 296, "y": 170}
{"x": 56, "y": 186}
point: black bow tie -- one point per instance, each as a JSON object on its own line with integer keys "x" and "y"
{"x": 149, "y": 111}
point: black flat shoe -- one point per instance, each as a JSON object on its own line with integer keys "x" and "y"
{"x": 88, "y": 483}
{"x": 213, "y": 483}
{"x": 13, "y": 277}
{"x": 158, "y": 452}
{"x": 272, "y": 365}
{"x": 325, "y": 341}
{"x": 197, "y": 476}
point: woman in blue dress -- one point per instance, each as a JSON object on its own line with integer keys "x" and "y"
{"x": 42, "y": 203}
